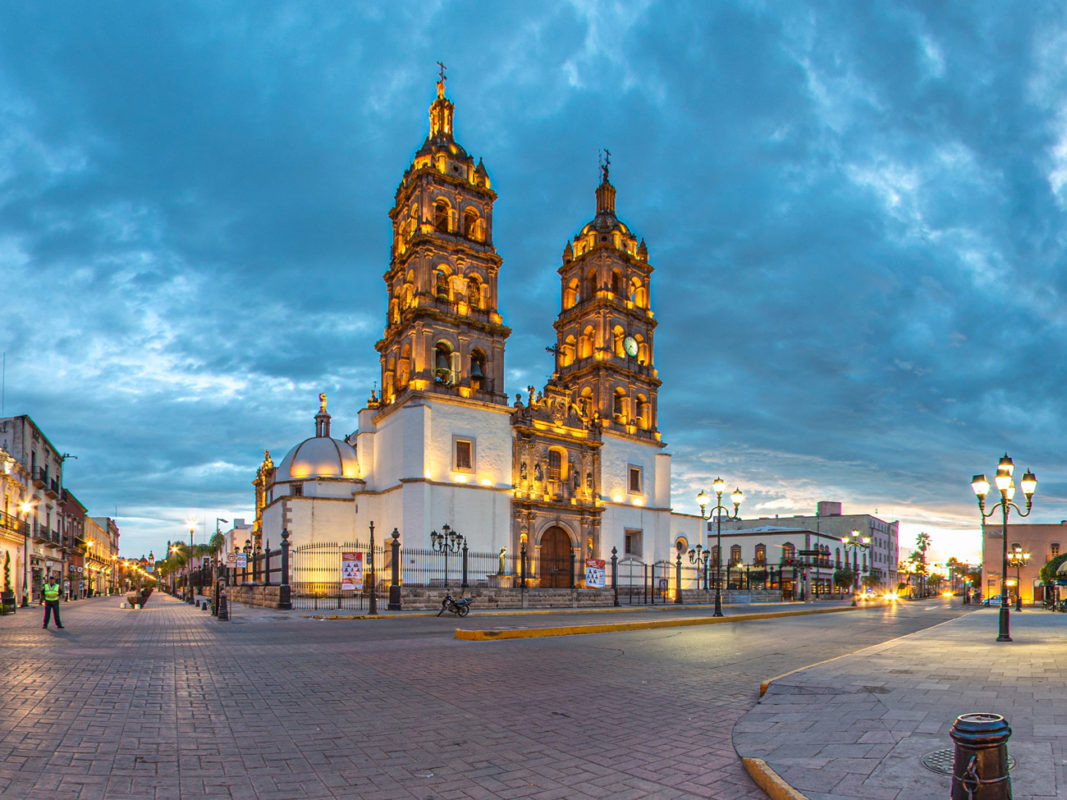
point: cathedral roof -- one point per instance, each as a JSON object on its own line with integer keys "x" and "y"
{"x": 605, "y": 220}
{"x": 320, "y": 456}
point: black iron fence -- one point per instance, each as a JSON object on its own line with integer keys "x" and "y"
{"x": 314, "y": 574}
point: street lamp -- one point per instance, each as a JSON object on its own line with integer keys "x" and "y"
{"x": 700, "y": 555}
{"x": 449, "y": 541}
{"x": 717, "y": 511}
{"x": 1006, "y": 486}
{"x": 26, "y": 507}
{"x": 189, "y": 563}
{"x": 1018, "y": 559}
{"x": 855, "y": 541}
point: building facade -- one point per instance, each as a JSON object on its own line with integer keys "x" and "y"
{"x": 44, "y": 554}
{"x": 571, "y": 471}
{"x": 880, "y": 561}
{"x": 1043, "y": 542}
{"x": 14, "y": 524}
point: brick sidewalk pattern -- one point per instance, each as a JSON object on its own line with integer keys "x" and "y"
{"x": 855, "y": 728}
{"x": 169, "y": 703}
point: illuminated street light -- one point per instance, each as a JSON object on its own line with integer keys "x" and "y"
{"x": 855, "y": 541}
{"x": 1006, "y": 486}
{"x": 718, "y": 485}
{"x": 1018, "y": 559}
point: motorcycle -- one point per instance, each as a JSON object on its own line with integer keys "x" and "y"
{"x": 460, "y": 607}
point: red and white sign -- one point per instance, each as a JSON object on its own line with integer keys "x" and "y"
{"x": 351, "y": 571}
{"x": 231, "y": 560}
{"x": 594, "y": 573}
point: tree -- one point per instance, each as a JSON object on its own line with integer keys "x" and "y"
{"x": 843, "y": 578}
{"x": 918, "y": 558}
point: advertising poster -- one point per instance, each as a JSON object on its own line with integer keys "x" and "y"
{"x": 594, "y": 573}
{"x": 351, "y": 571}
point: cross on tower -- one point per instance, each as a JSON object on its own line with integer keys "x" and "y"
{"x": 441, "y": 74}
{"x": 605, "y": 162}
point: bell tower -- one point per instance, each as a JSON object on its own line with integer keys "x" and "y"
{"x": 604, "y": 331}
{"x": 443, "y": 331}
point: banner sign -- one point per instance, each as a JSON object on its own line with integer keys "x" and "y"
{"x": 351, "y": 571}
{"x": 594, "y": 573}
{"x": 241, "y": 562}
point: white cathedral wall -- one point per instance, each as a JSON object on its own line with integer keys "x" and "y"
{"x": 407, "y": 460}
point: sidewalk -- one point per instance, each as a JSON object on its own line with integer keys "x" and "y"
{"x": 857, "y": 727}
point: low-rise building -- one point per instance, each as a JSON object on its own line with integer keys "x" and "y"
{"x": 14, "y": 528}
{"x": 101, "y": 555}
{"x": 879, "y": 561}
{"x": 22, "y": 438}
{"x": 1042, "y": 541}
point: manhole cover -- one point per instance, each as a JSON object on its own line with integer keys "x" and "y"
{"x": 940, "y": 761}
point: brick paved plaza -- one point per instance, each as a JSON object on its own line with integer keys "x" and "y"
{"x": 167, "y": 702}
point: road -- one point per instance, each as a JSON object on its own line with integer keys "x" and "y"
{"x": 166, "y": 702}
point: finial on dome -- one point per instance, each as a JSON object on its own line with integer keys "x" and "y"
{"x": 441, "y": 78}
{"x": 605, "y": 192}
{"x": 441, "y": 109}
{"x": 322, "y": 419}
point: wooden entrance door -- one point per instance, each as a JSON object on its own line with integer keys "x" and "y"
{"x": 556, "y": 559}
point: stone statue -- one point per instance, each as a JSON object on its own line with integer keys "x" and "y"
{"x": 522, "y": 471}
{"x": 500, "y": 569}
{"x": 539, "y": 475}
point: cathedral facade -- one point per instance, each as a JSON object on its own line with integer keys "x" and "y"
{"x": 574, "y": 469}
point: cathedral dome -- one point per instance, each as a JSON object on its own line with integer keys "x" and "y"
{"x": 320, "y": 456}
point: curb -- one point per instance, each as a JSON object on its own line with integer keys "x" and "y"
{"x": 576, "y": 630}
{"x": 770, "y": 781}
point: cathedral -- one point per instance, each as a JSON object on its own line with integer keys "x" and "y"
{"x": 576, "y": 468}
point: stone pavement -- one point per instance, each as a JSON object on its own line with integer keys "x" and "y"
{"x": 856, "y": 727}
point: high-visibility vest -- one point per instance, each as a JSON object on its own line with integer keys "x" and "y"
{"x": 51, "y": 591}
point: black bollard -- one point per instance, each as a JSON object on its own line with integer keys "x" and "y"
{"x": 394, "y": 578}
{"x": 980, "y": 763}
{"x": 224, "y": 607}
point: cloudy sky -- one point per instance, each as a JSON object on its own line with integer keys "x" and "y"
{"x": 856, "y": 213}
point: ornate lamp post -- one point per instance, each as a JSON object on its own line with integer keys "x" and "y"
{"x": 1006, "y": 486}
{"x": 449, "y": 541}
{"x": 26, "y": 507}
{"x": 700, "y": 555}
{"x": 718, "y": 485}
{"x": 1018, "y": 559}
{"x": 189, "y": 563}
{"x": 855, "y": 541}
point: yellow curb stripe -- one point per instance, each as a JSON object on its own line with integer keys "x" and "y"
{"x": 770, "y": 781}
{"x": 611, "y": 627}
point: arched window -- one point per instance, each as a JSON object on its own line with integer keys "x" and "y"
{"x": 644, "y": 355}
{"x": 585, "y": 343}
{"x": 619, "y": 406}
{"x": 441, "y": 284}
{"x": 638, "y": 295}
{"x": 403, "y": 367}
{"x": 616, "y": 283}
{"x": 589, "y": 287}
{"x": 471, "y": 228}
{"x": 442, "y": 363}
{"x": 555, "y": 465}
{"x": 761, "y": 554}
{"x": 566, "y": 353}
{"x": 642, "y": 412}
{"x": 570, "y": 294}
{"x": 837, "y": 557}
{"x": 440, "y": 216}
{"x": 477, "y": 370}
{"x": 735, "y": 554}
{"x": 789, "y": 552}
{"x": 618, "y": 335}
{"x": 715, "y": 554}
{"x": 474, "y": 292}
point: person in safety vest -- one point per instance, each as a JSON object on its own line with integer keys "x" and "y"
{"x": 51, "y": 601}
